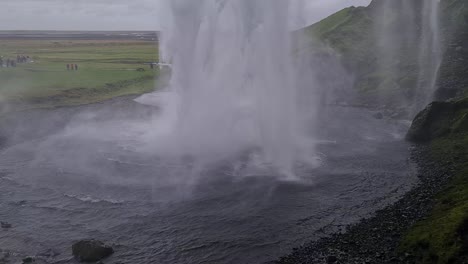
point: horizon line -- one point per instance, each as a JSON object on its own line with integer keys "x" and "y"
{"x": 83, "y": 30}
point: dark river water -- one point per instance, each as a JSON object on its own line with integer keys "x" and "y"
{"x": 61, "y": 180}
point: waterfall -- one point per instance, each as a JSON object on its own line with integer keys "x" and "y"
{"x": 430, "y": 56}
{"x": 408, "y": 39}
{"x": 235, "y": 82}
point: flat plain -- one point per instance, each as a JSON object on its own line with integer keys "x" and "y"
{"x": 107, "y": 67}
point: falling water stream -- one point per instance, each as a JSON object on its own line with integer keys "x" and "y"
{"x": 234, "y": 82}
{"x": 409, "y": 48}
{"x": 430, "y": 56}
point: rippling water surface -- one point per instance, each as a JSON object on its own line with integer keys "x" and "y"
{"x": 60, "y": 182}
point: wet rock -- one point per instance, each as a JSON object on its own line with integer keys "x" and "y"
{"x": 4, "y": 257}
{"x": 438, "y": 119}
{"x": 91, "y": 250}
{"x": 431, "y": 122}
{"x": 28, "y": 260}
{"x": 50, "y": 253}
{"x": 5, "y": 225}
{"x": 378, "y": 115}
{"x": 331, "y": 259}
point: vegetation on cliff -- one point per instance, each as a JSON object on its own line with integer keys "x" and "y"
{"x": 443, "y": 236}
{"x": 440, "y": 119}
{"x": 384, "y": 63}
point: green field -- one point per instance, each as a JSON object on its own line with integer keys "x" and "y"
{"x": 107, "y": 68}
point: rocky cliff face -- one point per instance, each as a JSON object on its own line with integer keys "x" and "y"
{"x": 439, "y": 119}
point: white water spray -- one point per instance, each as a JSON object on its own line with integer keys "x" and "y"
{"x": 235, "y": 82}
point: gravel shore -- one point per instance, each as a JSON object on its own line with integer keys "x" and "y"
{"x": 376, "y": 239}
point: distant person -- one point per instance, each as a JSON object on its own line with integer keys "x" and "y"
{"x": 8, "y": 63}
{"x": 68, "y": 67}
{"x": 152, "y": 65}
{"x": 76, "y": 67}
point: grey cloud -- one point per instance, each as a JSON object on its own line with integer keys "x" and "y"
{"x": 118, "y": 14}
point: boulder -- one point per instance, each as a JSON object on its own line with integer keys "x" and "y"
{"x": 430, "y": 123}
{"x": 378, "y": 115}
{"x": 91, "y": 250}
{"x": 28, "y": 260}
{"x": 438, "y": 119}
{"x": 331, "y": 259}
{"x": 5, "y": 225}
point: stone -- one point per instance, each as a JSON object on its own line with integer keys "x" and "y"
{"x": 378, "y": 115}
{"x": 438, "y": 119}
{"x": 331, "y": 259}
{"x": 5, "y": 225}
{"x": 50, "y": 253}
{"x": 431, "y": 122}
{"x": 4, "y": 257}
{"x": 28, "y": 260}
{"x": 91, "y": 250}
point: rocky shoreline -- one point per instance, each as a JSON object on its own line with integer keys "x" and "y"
{"x": 377, "y": 239}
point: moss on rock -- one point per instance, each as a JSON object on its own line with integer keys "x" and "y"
{"x": 442, "y": 237}
{"x": 439, "y": 119}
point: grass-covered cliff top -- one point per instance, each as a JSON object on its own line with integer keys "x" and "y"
{"x": 384, "y": 54}
{"x": 348, "y": 32}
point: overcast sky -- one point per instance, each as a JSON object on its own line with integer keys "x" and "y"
{"x": 114, "y": 14}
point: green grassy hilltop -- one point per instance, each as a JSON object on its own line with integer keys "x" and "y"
{"x": 385, "y": 66}
{"x": 106, "y": 68}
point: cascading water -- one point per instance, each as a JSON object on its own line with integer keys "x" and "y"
{"x": 235, "y": 82}
{"x": 430, "y": 56}
{"x": 409, "y": 50}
